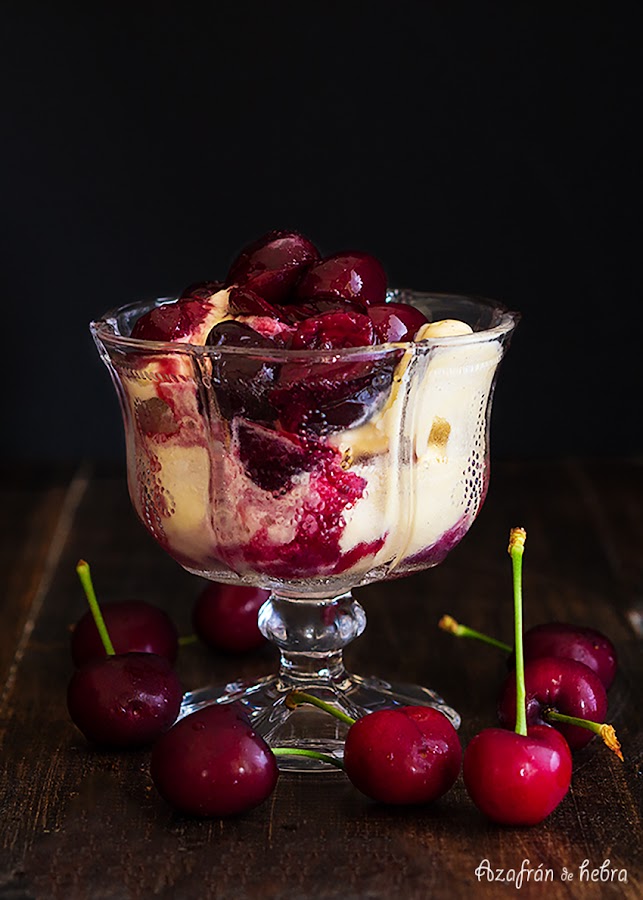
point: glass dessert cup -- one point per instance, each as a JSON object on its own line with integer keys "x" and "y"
{"x": 309, "y": 473}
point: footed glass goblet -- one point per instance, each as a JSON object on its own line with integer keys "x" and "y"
{"x": 309, "y": 473}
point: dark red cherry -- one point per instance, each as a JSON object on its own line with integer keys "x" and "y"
{"x": 171, "y": 321}
{"x": 323, "y": 397}
{"x": 133, "y": 626}
{"x": 231, "y": 333}
{"x": 358, "y": 277}
{"x": 396, "y": 322}
{"x": 297, "y": 312}
{"x": 124, "y": 700}
{"x": 563, "y": 685}
{"x": 244, "y": 302}
{"x": 225, "y": 617}
{"x": 333, "y": 331}
{"x": 272, "y": 265}
{"x": 212, "y": 763}
{"x": 517, "y": 779}
{"x": 585, "y": 645}
{"x": 242, "y": 382}
{"x": 272, "y": 459}
{"x": 410, "y": 754}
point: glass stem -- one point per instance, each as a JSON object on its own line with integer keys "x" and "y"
{"x": 311, "y": 635}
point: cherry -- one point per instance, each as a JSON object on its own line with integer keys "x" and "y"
{"x": 408, "y": 755}
{"x": 241, "y": 382}
{"x": 396, "y": 322}
{"x": 122, "y": 627}
{"x": 271, "y": 265}
{"x": 402, "y": 755}
{"x": 558, "y": 684}
{"x": 333, "y": 331}
{"x": 358, "y": 277}
{"x": 585, "y": 645}
{"x": 298, "y": 312}
{"x": 244, "y": 302}
{"x": 134, "y": 626}
{"x": 225, "y": 617}
{"x": 212, "y": 763}
{"x": 230, "y": 333}
{"x": 273, "y": 458}
{"x": 517, "y": 778}
{"x": 170, "y": 321}
{"x": 121, "y": 700}
{"x": 124, "y": 700}
{"x": 323, "y": 398}
{"x": 324, "y": 395}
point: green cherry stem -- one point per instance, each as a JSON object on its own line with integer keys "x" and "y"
{"x": 82, "y": 569}
{"x": 296, "y": 698}
{"x": 606, "y": 732}
{"x": 449, "y": 624}
{"x": 311, "y": 754}
{"x": 188, "y": 639}
{"x": 517, "y": 538}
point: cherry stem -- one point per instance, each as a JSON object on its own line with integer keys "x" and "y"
{"x": 82, "y": 569}
{"x": 296, "y": 698}
{"x": 311, "y": 754}
{"x": 188, "y": 639}
{"x": 448, "y": 623}
{"x": 606, "y": 732}
{"x": 517, "y": 538}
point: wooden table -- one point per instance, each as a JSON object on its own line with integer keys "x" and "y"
{"x": 79, "y": 823}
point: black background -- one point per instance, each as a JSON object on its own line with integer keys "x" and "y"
{"x": 489, "y": 148}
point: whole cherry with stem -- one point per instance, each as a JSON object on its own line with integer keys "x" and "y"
{"x": 121, "y": 700}
{"x": 585, "y": 645}
{"x": 520, "y": 777}
{"x": 563, "y": 693}
{"x": 402, "y": 755}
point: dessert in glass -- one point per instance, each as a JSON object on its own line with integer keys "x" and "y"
{"x": 301, "y": 428}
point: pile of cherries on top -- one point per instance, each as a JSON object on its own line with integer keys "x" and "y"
{"x": 284, "y": 295}
{"x": 284, "y": 291}
{"x": 125, "y": 693}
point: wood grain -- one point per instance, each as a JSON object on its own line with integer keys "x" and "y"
{"x": 78, "y": 823}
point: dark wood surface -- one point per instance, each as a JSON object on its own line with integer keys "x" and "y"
{"x": 78, "y": 823}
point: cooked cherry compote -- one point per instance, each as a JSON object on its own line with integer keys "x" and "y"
{"x": 297, "y": 422}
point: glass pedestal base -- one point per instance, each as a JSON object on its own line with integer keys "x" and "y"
{"x": 306, "y": 727}
{"x": 311, "y": 636}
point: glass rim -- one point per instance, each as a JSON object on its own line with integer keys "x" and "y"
{"x": 104, "y": 330}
